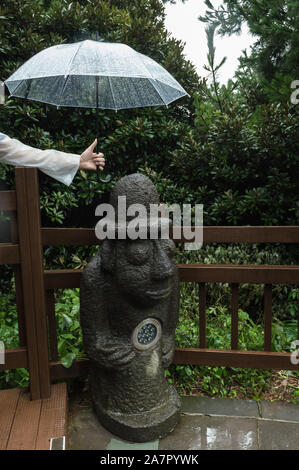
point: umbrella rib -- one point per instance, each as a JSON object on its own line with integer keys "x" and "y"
{"x": 153, "y": 85}
{"x": 68, "y": 72}
{"x": 156, "y": 79}
{"x": 21, "y": 81}
{"x": 113, "y": 97}
{"x": 74, "y": 55}
{"x": 63, "y": 88}
{"x": 181, "y": 89}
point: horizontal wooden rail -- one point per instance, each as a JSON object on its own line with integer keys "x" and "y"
{"x": 233, "y": 358}
{"x": 254, "y": 274}
{"x": 15, "y": 358}
{"x": 62, "y": 278}
{"x": 227, "y": 234}
{"x": 9, "y": 253}
{"x": 251, "y": 234}
{"x": 8, "y": 201}
{"x": 78, "y": 368}
{"x": 70, "y": 278}
{"x": 197, "y": 357}
{"x": 69, "y": 236}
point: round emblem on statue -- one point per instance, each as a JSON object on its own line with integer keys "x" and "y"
{"x": 146, "y": 334}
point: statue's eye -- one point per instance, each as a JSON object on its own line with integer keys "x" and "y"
{"x": 139, "y": 251}
{"x": 168, "y": 246}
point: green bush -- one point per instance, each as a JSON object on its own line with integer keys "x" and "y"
{"x": 241, "y": 166}
{"x": 222, "y": 381}
{"x": 68, "y": 333}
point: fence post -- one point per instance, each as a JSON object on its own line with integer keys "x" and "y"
{"x": 33, "y": 281}
{"x": 202, "y": 314}
{"x": 234, "y": 315}
{"x": 50, "y": 306}
{"x": 268, "y": 317}
{"x": 14, "y": 238}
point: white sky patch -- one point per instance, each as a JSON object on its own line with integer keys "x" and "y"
{"x": 181, "y": 21}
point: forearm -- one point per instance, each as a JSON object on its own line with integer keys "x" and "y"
{"x": 59, "y": 165}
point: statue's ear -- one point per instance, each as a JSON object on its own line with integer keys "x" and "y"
{"x": 107, "y": 256}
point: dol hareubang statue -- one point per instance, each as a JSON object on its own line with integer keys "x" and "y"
{"x": 129, "y": 308}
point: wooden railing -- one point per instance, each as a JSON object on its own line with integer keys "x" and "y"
{"x": 35, "y": 290}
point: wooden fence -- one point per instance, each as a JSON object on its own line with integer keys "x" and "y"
{"x": 35, "y": 287}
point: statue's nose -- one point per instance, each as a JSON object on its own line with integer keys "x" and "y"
{"x": 162, "y": 266}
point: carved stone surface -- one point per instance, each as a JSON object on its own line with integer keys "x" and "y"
{"x": 129, "y": 309}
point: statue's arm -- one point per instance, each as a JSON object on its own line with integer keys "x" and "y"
{"x": 99, "y": 343}
{"x": 90, "y": 306}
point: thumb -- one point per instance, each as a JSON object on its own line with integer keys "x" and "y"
{"x": 92, "y": 146}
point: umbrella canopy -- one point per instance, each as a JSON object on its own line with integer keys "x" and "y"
{"x": 94, "y": 74}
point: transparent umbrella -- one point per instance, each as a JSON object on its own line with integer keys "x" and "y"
{"x": 93, "y": 74}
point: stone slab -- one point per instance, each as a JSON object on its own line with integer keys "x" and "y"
{"x": 201, "y": 429}
{"x": 116, "y": 444}
{"x": 278, "y": 435}
{"x": 279, "y": 410}
{"x": 200, "y": 432}
{"x": 220, "y": 406}
{"x": 86, "y": 433}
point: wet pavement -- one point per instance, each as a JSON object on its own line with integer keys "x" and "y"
{"x": 206, "y": 423}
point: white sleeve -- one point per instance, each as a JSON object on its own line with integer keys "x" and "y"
{"x": 59, "y": 165}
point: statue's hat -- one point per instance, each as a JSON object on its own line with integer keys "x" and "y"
{"x": 140, "y": 208}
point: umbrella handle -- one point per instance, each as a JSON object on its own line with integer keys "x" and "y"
{"x": 108, "y": 178}
{"x": 104, "y": 179}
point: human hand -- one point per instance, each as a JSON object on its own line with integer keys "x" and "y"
{"x": 89, "y": 160}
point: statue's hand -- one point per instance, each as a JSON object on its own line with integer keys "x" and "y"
{"x": 114, "y": 353}
{"x": 167, "y": 352}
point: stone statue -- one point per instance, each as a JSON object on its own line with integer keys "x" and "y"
{"x": 129, "y": 309}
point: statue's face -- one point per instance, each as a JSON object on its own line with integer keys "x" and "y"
{"x": 145, "y": 269}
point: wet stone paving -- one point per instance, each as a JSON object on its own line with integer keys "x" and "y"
{"x": 205, "y": 423}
